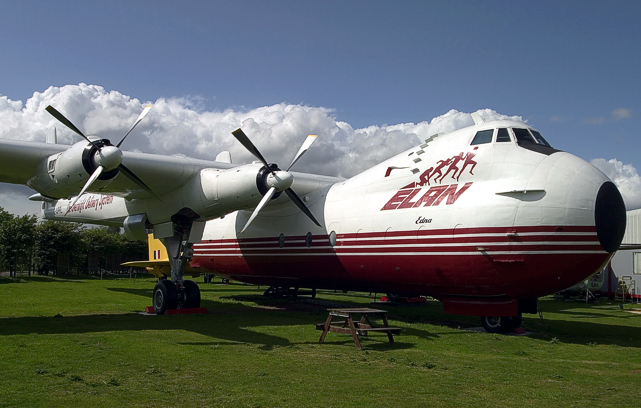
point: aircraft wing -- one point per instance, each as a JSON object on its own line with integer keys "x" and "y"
{"x": 161, "y": 173}
{"x": 19, "y": 159}
{"x": 160, "y": 267}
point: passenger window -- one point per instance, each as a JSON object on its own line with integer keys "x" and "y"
{"x": 482, "y": 137}
{"x": 503, "y": 135}
{"x": 523, "y": 136}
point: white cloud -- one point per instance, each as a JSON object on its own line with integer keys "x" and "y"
{"x": 626, "y": 177}
{"x": 615, "y": 115}
{"x": 181, "y": 126}
{"x": 621, "y": 113}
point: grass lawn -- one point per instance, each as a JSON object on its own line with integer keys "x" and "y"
{"x": 83, "y": 342}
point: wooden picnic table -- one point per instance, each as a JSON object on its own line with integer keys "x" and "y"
{"x": 359, "y": 327}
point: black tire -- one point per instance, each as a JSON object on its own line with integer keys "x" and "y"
{"x": 515, "y": 322}
{"x": 192, "y": 294}
{"x": 493, "y": 324}
{"x": 165, "y": 296}
{"x": 498, "y": 324}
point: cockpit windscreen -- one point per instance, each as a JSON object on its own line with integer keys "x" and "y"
{"x": 529, "y": 136}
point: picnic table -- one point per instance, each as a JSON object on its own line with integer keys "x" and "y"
{"x": 356, "y": 328}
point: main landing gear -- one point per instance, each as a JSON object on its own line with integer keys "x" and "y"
{"x": 176, "y": 293}
{"x": 497, "y": 324}
{"x": 167, "y": 295}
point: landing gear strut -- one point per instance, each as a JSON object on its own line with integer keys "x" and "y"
{"x": 176, "y": 293}
{"x": 500, "y": 324}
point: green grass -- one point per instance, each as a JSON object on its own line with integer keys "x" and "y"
{"x": 83, "y": 342}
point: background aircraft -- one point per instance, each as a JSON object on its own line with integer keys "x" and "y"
{"x": 486, "y": 219}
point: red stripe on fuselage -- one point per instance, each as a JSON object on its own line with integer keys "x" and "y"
{"x": 520, "y": 262}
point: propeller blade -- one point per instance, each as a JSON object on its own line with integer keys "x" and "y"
{"x": 299, "y": 203}
{"x": 89, "y": 182}
{"x": 306, "y": 144}
{"x": 244, "y": 140}
{"x": 66, "y": 122}
{"x": 268, "y": 196}
{"x": 131, "y": 176}
{"x": 142, "y": 115}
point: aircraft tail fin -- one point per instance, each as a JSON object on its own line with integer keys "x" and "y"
{"x": 157, "y": 250}
{"x": 158, "y": 263}
{"x": 52, "y": 138}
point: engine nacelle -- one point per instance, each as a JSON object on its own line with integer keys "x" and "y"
{"x": 231, "y": 190}
{"x": 211, "y": 194}
{"x": 64, "y": 174}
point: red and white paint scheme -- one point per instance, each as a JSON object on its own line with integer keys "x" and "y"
{"x": 486, "y": 219}
{"x": 484, "y": 225}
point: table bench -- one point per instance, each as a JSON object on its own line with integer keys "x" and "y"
{"x": 356, "y": 328}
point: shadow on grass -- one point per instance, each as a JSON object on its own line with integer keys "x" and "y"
{"x": 594, "y": 310}
{"x": 227, "y": 322}
{"x": 211, "y": 325}
{"x": 40, "y": 279}
{"x": 230, "y": 321}
{"x": 11, "y": 280}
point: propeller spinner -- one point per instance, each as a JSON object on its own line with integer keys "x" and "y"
{"x": 107, "y": 157}
{"x": 277, "y": 180}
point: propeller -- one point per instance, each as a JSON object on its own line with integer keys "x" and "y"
{"x": 277, "y": 180}
{"x": 107, "y": 156}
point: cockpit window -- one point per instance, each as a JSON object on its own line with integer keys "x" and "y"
{"x": 532, "y": 140}
{"x": 523, "y": 136}
{"x": 539, "y": 139}
{"x": 482, "y": 137}
{"x": 503, "y": 135}
{"x": 530, "y": 136}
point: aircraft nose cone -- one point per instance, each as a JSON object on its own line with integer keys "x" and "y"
{"x": 609, "y": 216}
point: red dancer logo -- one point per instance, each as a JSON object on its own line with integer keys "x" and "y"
{"x": 436, "y": 173}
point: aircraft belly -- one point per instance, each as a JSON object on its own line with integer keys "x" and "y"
{"x": 472, "y": 262}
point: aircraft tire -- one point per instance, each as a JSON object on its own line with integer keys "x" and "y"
{"x": 165, "y": 296}
{"x": 496, "y": 324}
{"x": 192, "y": 294}
{"x": 515, "y": 322}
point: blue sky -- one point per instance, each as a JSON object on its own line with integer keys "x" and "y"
{"x": 570, "y": 68}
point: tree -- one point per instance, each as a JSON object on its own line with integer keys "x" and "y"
{"x": 17, "y": 240}
{"x": 56, "y": 239}
{"x": 59, "y": 245}
{"x": 4, "y": 215}
{"x": 102, "y": 244}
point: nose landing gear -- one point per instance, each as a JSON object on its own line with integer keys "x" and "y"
{"x": 501, "y": 324}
